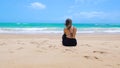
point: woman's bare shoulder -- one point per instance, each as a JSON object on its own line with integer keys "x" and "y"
{"x": 74, "y": 28}
{"x": 65, "y": 28}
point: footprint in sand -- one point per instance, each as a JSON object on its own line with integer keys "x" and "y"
{"x": 20, "y": 48}
{"x": 105, "y": 43}
{"x": 44, "y": 48}
{"x": 116, "y": 46}
{"x": 37, "y": 46}
{"x": 91, "y": 57}
{"x": 86, "y": 45}
{"x": 70, "y": 51}
{"x": 20, "y": 43}
{"x": 39, "y": 51}
{"x": 101, "y": 52}
{"x": 67, "y": 50}
{"x": 108, "y": 65}
{"x": 118, "y": 64}
{"x": 11, "y": 51}
{"x": 96, "y": 57}
{"x": 87, "y": 57}
{"x": 35, "y": 43}
{"x": 2, "y": 44}
{"x": 52, "y": 46}
{"x": 44, "y": 41}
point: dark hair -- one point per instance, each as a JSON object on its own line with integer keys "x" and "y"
{"x": 68, "y": 21}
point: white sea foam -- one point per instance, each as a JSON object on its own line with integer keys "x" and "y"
{"x": 57, "y": 30}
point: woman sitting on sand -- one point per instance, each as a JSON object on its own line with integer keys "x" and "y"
{"x": 68, "y": 38}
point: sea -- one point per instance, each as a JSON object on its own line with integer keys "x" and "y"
{"x": 39, "y": 28}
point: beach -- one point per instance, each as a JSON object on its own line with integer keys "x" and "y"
{"x": 32, "y": 33}
{"x": 47, "y": 51}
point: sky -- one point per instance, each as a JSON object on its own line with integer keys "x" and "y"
{"x": 80, "y": 11}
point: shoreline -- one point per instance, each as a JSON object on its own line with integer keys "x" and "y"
{"x": 58, "y": 33}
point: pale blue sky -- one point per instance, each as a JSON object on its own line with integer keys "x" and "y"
{"x": 81, "y": 11}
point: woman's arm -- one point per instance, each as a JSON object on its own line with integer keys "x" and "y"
{"x": 74, "y": 32}
{"x": 64, "y": 31}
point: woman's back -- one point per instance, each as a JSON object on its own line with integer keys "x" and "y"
{"x": 68, "y": 38}
{"x": 70, "y": 33}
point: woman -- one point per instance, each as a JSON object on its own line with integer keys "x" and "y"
{"x": 68, "y": 38}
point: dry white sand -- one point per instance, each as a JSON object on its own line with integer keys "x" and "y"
{"x": 46, "y": 51}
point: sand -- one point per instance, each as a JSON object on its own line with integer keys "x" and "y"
{"x": 46, "y": 51}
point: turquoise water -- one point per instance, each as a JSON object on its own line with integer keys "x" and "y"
{"x": 57, "y": 28}
{"x": 59, "y": 25}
